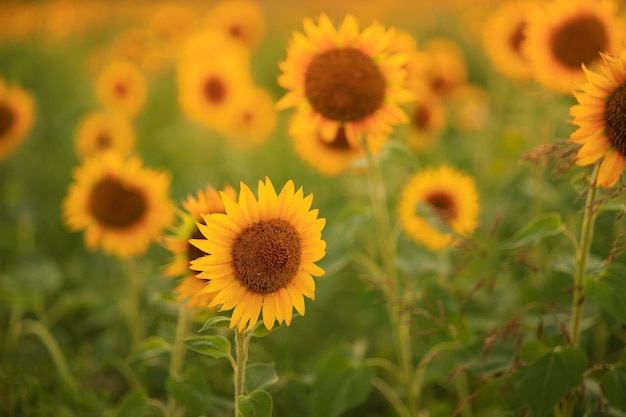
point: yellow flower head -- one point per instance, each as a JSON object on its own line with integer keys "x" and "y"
{"x": 344, "y": 78}
{"x": 262, "y": 254}
{"x": 428, "y": 120}
{"x": 241, "y": 20}
{"x": 104, "y": 131}
{"x": 121, "y": 206}
{"x": 438, "y": 206}
{"x": 122, "y": 87}
{"x": 601, "y": 119}
{"x": 17, "y": 111}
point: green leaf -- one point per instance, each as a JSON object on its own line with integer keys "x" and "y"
{"x": 149, "y": 348}
{"x": 214, "y": 346}
{"x": 533, "y": 350}
{"x": 259, "y": 330}
{"x": 614, "y": 386}
{"x": 215, "y": 322}
{"x": 260, "y": 376}
{"x": 257, "y": 404}
{"x": 134, "y": 404}
{"x": 609, "y": 290}
{"x": 545, "y": 382}
{"x": 192, "y": 392}
{"x": 540, "y": 227}
{"x": 345, "y": 390}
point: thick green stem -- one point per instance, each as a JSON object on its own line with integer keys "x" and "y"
{"x": 132, "y": 302}
{"x": 242, "y": 341}
{"x": 178, "y": 352}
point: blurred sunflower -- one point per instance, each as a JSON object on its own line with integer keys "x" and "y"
{"x": 443, "y": 66}
{"x": 333, "y": 157}
{"x": 17, "y": 112}
{"x": 469, "y": 108}
{"x": 121, "y": 206}
{"x": 567, "y": 33}
{"x": 205, "y": 201}
{"x": 241, "y": 20}
{"x": 209, "y": 90}
{"x": 120, "y": 86}
{"x": 103, "y": 131}
{"x": 252, "y": 120}
{"x": 344, "y": 78}
{"x": 262, "y": 254}
{"x": 171, "y": 25}
{"x": 428, "y": 120}
{"x": 504, "y": 33}
{"x": 439, "y": 205}
{"x": 601, "y": 119}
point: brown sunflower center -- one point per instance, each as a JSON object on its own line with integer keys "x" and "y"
{"x": 192, "y": 251}
{"x": 517, "y": 37}
{"x": 340, "y": 142}
{"x": 443, "y": 205}
{"x": 235, "y": 31}
{"x": 121, "y": 89}
{"x": 214, "y": 90}
{"x": 7, "y": 118}
{"x": 344, "y": 85}
{"x": 266, "y": 255}
{"x": 103, "y": 140}
{"x": 615, "y": 119}
{"x": 115, "y": 204}
{"x": 422, "y": 117}
{"x": 579, "y": 41}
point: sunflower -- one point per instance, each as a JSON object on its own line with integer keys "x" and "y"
{"x": 252, "y": 120}
{"x": 262, "y": 254}
{"x": 428, "y": 120}
{"x": 443, "y": 66}
{"x": 121, "y": 206}
{"x": 103, "y": 131}
{"x": 601, "y": 119}
{"x": 504, "y": 33}
{"x": 438, "y": 206}
{"x": 17, "y": 111}
{"x": 469, "y": 108}
{"x": 205, "y": 201}
{"x": 241, "y": 20}
{"x": 209, "y": 90}
{"x": 344, "y": 78}
{"x": 122, "y": 87}
{"x": 567, "y": 33}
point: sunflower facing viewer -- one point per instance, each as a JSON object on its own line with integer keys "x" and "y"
{"x": 262, "y": 254}
{"x": 344, "y": 78}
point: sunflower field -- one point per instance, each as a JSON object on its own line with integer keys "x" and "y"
{"x": 315, "y": 209}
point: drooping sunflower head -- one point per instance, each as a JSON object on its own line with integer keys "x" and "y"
{"x": 438, "y": 207}
{"x": 104, "y": 131}
{"x": 504, "y": 34}
{"x": 240, "y": 20}
{"x": 565, "y": 34}
{"x": 17, "y": 112}
{"x": 262, "y": 254}
{"x": 121, "y": 87}
{"x": 205, "y": 201}
{"x": 121, "y": 206}
{"x": 601, "y": 119}
{"x": 345, "y": 78}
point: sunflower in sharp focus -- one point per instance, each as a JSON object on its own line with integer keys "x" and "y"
{"x": 438, "y": 206}
{"x": 205, "y": 201}
{"x": 262, "y": 254}
{"x": 121, "y": 206}
{"x": 504, "y": 33}
{"x": 209, "y": 90}
{"x": 104, "y": 131}
{"x": 241, "y": 20}
{"x": 601, "y": 119}
{"x": 17, "y": 111}
{"x": 344, "y": 78}
{"x": 122, "y": 87}
{"x": 565, "y": 34}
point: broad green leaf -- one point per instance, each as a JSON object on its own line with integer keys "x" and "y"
{"x": 215, "y": 322}
{"x": 545, "y": 382}
{"x": 257, "y": 404}
{"x": 260, "y": 376}
{"x": 538, "y": 228}
{"x": 533, "y": 350}
{"x": 614, "y": 386}
{"x": 192, "y": 392}
{"x": 215, "y": 346}
{"x": 342, "y": 392}
{"x": 133, "y": 405}
{"x": 609, "y": 290}
{"x": 149, "y": 348}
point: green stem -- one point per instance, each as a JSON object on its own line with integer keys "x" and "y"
{"x": 178, "y": 352}
{"x": 36, "y": 328}
{"x": 392, "y": 397}
{"x": 133, "y": 302}
{"x": 242, "y": 342}
{"x": 396, "y": 304}
{"x": 14, "y": 329}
